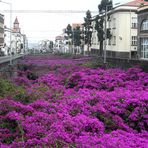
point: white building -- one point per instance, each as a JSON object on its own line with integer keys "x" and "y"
{"x": 59, "y": 46}
{"x": 18, "y": 40}
{"x": 123, "y": 26}
{"x": 45, "y": 46}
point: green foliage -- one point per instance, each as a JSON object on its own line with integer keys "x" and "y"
{"x": 21, "y": 96}
{"x": 6, "y": 88}
{"x": 93, "y": 64}
{"x": 99, "y": 27}
{"x": 109, "y": 124}
{"x": 38, "y": 91}
{"x": 105, "y": 4}
{"x": 15, "y": 128}
{"x": 16, "y": 92}
{"x": 69, "y": 30}
{"x": 77, "y": 36}
{"x": 87, "y": 28}
{"x": 11, "y": 125}
{"x": 60, "y": 144}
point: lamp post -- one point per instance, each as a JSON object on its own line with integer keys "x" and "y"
{"x": 10, "y": 4}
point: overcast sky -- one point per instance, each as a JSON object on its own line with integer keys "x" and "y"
{"x": 38, "y": 26}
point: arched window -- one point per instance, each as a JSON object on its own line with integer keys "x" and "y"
{"x": 144, "y": 25}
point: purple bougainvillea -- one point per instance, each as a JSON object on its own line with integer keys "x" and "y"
{"x": 74, "y": 106}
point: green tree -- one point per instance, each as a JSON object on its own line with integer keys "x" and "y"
{"x": 69, "y": 32}
{"x": 104, "y": 6}
{"x": 88, "y": 29}
{"x": 77, "y": 37}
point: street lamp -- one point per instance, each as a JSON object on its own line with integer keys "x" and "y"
{"x": 10, "y": 4}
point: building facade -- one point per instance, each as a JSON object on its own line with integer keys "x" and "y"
{"x": 123, "y": 26}
{"x": 1, "y": 30}
{"x": 143, "y": 32}
{"x": 59, "y": 44}
{"x": 122, "y": 22}
{"x": 17, "y": 38}
{"x": 18, "y": 43}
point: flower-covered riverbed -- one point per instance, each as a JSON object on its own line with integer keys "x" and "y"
{"x": 63, "y": 103}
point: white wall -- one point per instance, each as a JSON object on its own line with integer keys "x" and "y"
{"x": 1, "y": 34}
{"x": 123, "y": 31}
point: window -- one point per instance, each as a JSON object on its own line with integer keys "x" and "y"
{"x": 1, "y": 20}
{"x": 94, "y": 40}
{"x": 109, "y": 41}
{"x": 114, "y": 23}
{"x": 109, "y": 24}
{"x": 1, "y": 30}
{"x": 114, "y": 40}
{"x": 144, "y": 47}
{"x": 134, "y": 40}
{"x": 144, "y": 25}
{"x": 1, "y": 40}
{"x": 134, "y": 22}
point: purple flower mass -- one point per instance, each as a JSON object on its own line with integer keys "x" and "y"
{"x": 63, "y": 103}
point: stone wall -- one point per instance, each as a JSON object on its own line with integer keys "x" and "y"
{"x": 124, "y": 63}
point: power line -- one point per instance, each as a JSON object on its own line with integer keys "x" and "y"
{"x": 47, "y": 11}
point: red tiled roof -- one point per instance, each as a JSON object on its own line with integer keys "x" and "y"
{"x": 136, "y": 3}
